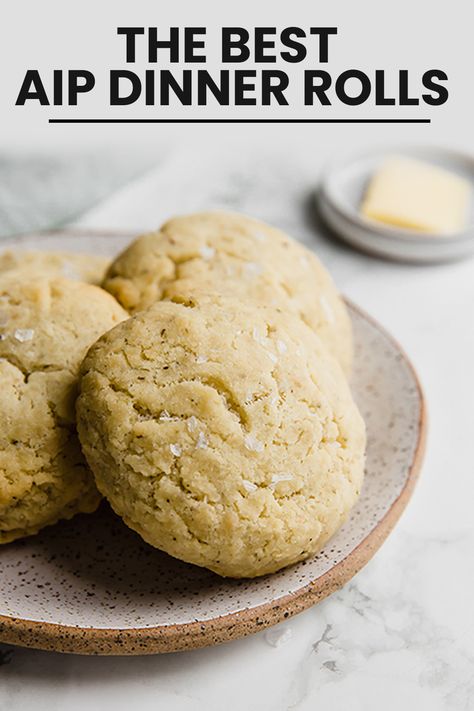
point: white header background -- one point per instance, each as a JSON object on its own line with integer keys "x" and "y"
{"x": 407, "y": 34}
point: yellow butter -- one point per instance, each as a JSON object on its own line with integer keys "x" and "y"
{"x": 418, "y": 196}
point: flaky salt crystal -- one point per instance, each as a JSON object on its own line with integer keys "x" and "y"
{"x": 176, "y": 450}
{"x": 257, "y": 336}
{"x": 277, "y": 478}
{"x": 253, "y": 269}
{"x": 192, "y": 424}
{"x": 166, "y": 417}
{"x": 207, "y": 252}
{"x": 201, "y": 441}
{"x": 272, "y": 357}
{"x": 252, "y": 444}
{"x": 249, "y": 486}
{"x": 24, "y": 334}
{"x": 200, "y": 359}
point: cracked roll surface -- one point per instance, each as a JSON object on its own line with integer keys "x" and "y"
{"x": 90, "y": 268}
{"x": 233, "y": 255}
{"x": 223, "y": 434}
{"x": 46, "y": 327}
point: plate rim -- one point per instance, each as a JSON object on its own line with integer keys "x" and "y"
{"x": 109, "y": 641}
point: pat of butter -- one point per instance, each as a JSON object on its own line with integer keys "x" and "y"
{"x": 417, "y": 196}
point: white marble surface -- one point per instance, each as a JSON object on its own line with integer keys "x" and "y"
{"x": 401, "y": 634}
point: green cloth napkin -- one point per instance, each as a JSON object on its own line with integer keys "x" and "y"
{"x": 44, "y": 191}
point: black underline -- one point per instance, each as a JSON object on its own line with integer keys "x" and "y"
{"x": 242, "y": 120}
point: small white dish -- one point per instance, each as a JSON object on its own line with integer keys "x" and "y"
{"x": 341, "y": 192}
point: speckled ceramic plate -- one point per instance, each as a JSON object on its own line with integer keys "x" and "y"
{"x": 91, "y": 586}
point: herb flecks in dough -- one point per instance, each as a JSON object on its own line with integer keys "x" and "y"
{"x": 43, "y": 473}
{"x": 270, "y": 486}
{"x": 233, "y": 255}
